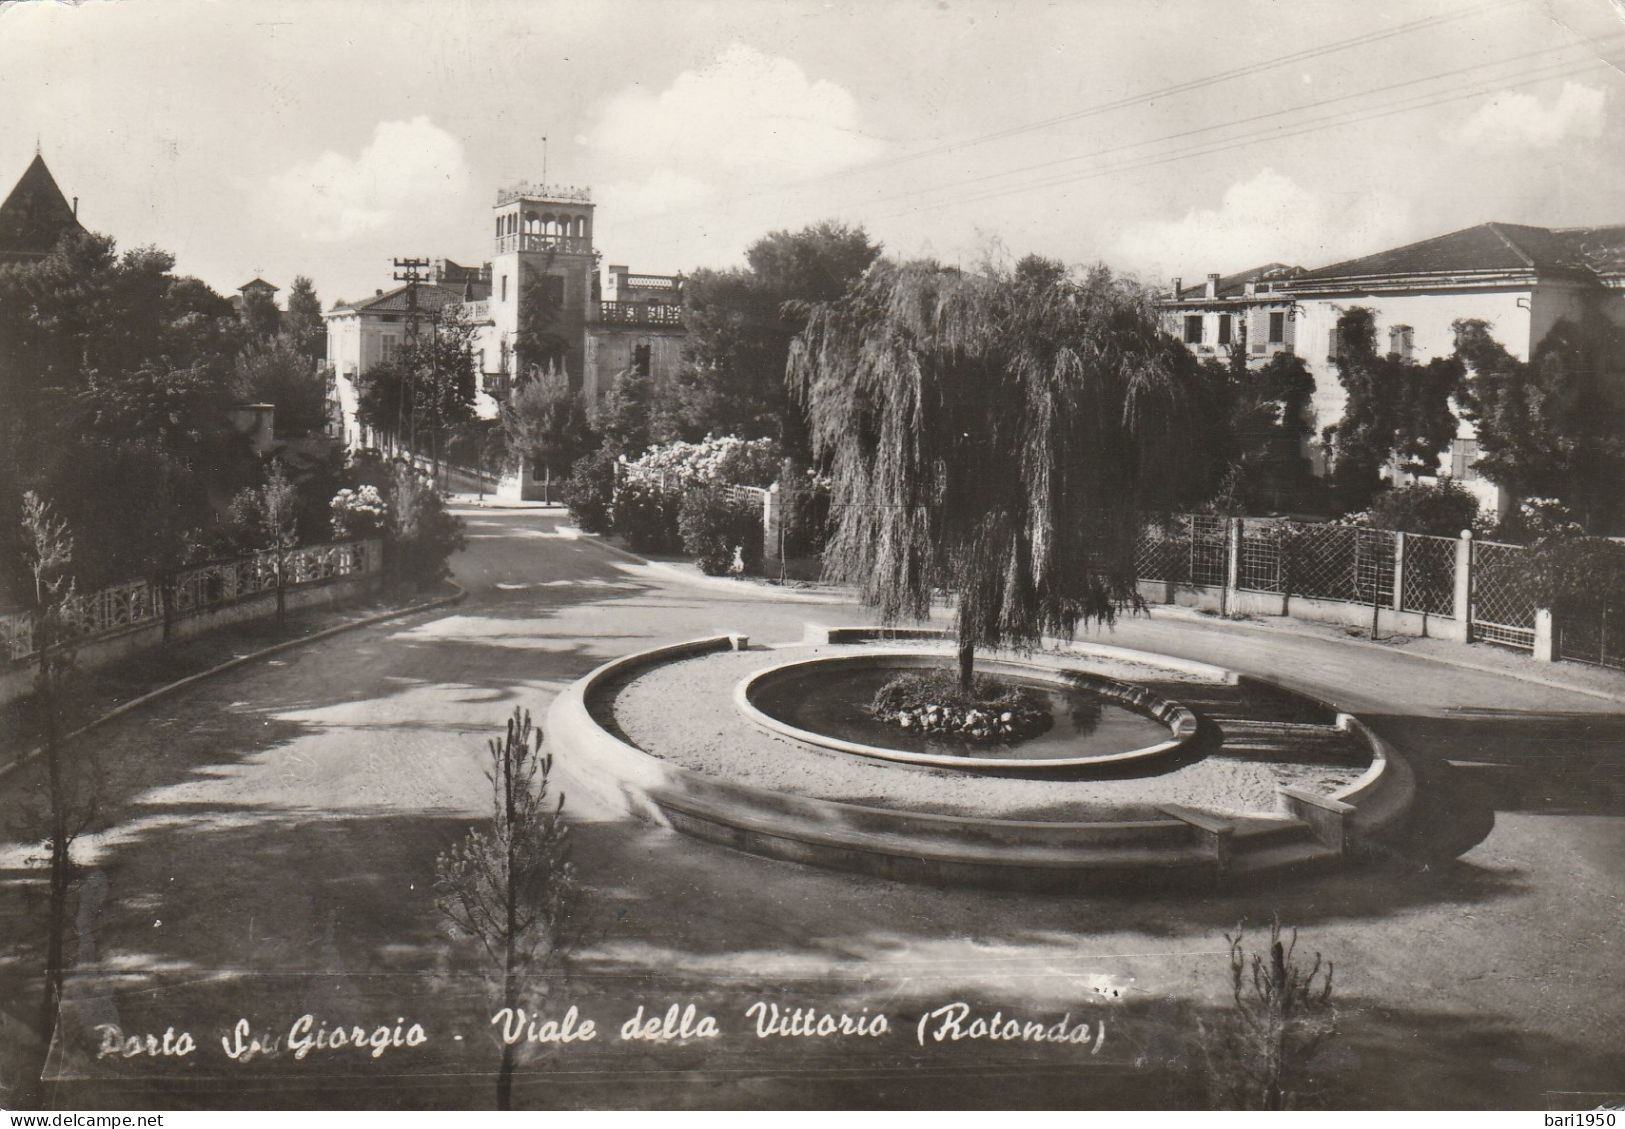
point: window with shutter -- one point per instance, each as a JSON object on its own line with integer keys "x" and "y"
{"x": 1399, "y": 341}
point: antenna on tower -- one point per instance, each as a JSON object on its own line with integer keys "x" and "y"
{"x": 544, "y": 158}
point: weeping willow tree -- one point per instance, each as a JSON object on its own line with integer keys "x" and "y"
{"x": 998, "y": 435}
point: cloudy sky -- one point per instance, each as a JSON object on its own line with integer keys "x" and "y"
{"x": 276, "y": 137}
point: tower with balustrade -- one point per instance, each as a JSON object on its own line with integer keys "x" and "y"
{"x": 543, "y": 278}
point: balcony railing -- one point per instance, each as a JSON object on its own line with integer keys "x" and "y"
{"x": 526, "y": 241}
{"x": 475, "y": 313}
{"x": 529, "y": 190}
{"x": 640, "y": 313}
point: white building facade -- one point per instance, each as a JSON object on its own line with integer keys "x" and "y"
{"x": 1520, "y": 280}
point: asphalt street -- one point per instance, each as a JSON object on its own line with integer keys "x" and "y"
{"x": 268, "y": 841}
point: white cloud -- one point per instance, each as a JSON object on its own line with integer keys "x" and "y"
{"x": 745, "y": 119}
{"x": 407, "y": 167}
{"x": 1268, "y": 218}
{"x": 1516, "y": 121}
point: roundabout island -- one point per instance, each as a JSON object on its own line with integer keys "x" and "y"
{"x": 1155, "y": 768}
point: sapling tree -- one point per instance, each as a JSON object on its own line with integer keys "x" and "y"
{"x": 269, "y": 515}
{"x": 71, "y": 782}
{"x": 1281, "y": 1016}
{"x": 547, "y": 421}
{"x": 513, "y": 887}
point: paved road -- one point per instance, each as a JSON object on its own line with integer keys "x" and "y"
{"x": 271, "y": 837}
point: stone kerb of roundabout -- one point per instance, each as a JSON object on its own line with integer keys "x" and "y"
{"x": 1233, "y": 791}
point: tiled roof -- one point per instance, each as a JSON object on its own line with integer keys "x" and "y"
{"x": 1234, "y": 285}
{"x": 1602, "y": 249}
{"x": 1489, "y": 247}
{"x": 36, "y": 214}
{"x": 431, "y": 296}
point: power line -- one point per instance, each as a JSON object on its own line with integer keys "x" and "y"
{"x": 1195, "y": 84}
{"x": 1096, "y": 109}
{"x": 1314, "y": 126}
{"x": 954, "y": 185}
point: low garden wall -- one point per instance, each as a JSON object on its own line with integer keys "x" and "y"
{"x": 127, "y": 619}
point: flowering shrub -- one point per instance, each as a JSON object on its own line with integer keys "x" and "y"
{"x": 1538, "y": 521}
{"x": 420, "y": 536}
{"x": 720, "y": 460}
{"x": 591, "y": 491}
{"x": 645, "y": 513}
{"x": 931, "y": 703}
{"x": 806, "y": 514}
{"x": 716, "y": 528}
{"x": 357, "y": 513}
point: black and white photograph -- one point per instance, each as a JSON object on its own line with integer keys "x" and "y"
{"x": 757, "y": 555}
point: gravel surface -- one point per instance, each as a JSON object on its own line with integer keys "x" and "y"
{"x": 684, "y": 712}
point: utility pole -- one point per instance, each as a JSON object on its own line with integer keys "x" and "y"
{"x": 410, "y": 271}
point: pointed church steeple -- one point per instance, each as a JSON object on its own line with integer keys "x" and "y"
{"x": 35, "y": 215}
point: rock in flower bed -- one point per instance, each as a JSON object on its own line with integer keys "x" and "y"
{"x": 931, "y": 702}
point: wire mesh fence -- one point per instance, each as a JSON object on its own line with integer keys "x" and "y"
{"x": 1337, "y": 562}
{"x": 1186, "y": 549}
{"x": 1429, "y": 575}
{"x": 1261, "y": 558}
{"x": 1597, "y": 640}
{"x": 1503, "y": 602}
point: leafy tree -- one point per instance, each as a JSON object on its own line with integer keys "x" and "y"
{"x": 114, "y": 374}
{"x": 261, "y": 316}
{"x": 303, "y": 322}
{"x": 110, "y": 369}
{"x": 481, "y": 444}
{"x": 513, "y": 888}
{"x": 420, "y": 535}
{"x": 740, "y": 325}
{"x": 279, "y": 373}
{"x": 590, "y": 493}
{"x": 624, "y": 418}
{"x": 1554, "y": 426}
{"x": 539, "y": 346}
{"x": 998, "y": 436}
{"x": 1258, "y": 421}
{"x": 428, "y": 389}
{"x": 547, "y": 420}
{"x": 1443, "y": 509}
{"x": 269, "y": 517}
{"x": 1396, "y": 412}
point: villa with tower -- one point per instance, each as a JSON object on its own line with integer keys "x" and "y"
{"x": 541, "y": 305}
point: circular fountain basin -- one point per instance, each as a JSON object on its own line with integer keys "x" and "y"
{"x": 1098, "y": 721}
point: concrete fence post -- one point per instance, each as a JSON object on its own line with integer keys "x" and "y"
{"x": 1462, "y": 605}
{"x": 772, "y": 528}
{"x": 1545, "y": 640}
{"x": 1399, "y": 572}
{"x": 1232, "y": 565}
